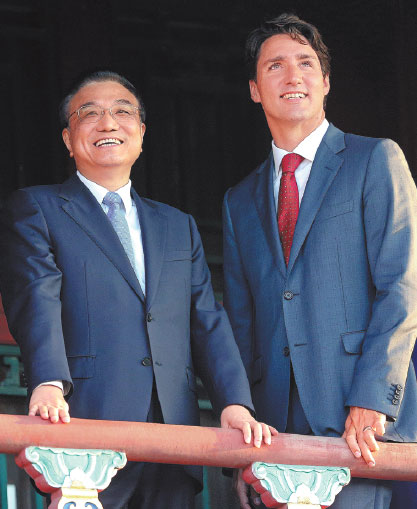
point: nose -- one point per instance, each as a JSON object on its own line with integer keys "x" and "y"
{"x": 107, "y": 122}
{"x": 294, "y": 75}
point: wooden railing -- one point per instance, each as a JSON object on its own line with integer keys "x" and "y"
{"x": 162, "y": 443}
{"x": 192, "y": 445}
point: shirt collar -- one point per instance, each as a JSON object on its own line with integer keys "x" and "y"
{"x": 307, "y": 148}
{"x": 99, "y": 192}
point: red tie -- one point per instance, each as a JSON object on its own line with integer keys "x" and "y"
{"x": 288, "y": 202}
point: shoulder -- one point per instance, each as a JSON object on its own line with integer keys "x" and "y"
{"x": 376, "y": 152}
{"x": 363, "y": 152}
{"x": 355, "y": 141}
{"x": 33, "y": 194}
{"x": 44, "y": 190}
{"x": 363, "y": 144}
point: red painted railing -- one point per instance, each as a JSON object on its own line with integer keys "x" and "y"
{"x": 163, "y": 443}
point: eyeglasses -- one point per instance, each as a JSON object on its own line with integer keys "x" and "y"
{"x": 90, "y": 114}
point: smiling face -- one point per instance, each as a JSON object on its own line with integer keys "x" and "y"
{"x": 290, "y": 84}
{"x": 107, "y": 149}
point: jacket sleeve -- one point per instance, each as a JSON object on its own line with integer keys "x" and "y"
{"x": 30, "y": 286}
{"x": 238, "y": 300}
{"x": 215, "y": 353}
{"x": 390, "y": 222}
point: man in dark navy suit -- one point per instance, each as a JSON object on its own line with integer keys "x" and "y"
{"x": 109, "y": 297}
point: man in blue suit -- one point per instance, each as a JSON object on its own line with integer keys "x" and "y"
{"x": 109, "y": 297}
{"x": 320, "y": 246}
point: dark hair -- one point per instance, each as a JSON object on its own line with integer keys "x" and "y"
{"x": 293, "y": 26}
{"x": 97, "y": 77}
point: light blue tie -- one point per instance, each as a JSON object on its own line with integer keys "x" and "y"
{"x": 117, "y": 217}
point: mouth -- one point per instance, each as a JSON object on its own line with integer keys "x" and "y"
{"x": 108, "y": 142}
{"x": 294, "y": 95}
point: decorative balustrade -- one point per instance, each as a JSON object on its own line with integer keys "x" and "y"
{"x": 295, "y": 469}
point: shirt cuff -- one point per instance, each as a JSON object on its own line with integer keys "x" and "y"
{"x": 55, "y": 383}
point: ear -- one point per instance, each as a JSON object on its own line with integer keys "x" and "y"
{"x": 326, "y": 82}
{"x": 254, "y": 92}
{"x": 67, "y": 140}
{"x": 142, "y": 130}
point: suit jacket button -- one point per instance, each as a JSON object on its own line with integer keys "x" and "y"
{"x": 397, "y": 391}
{"x": 396, "y": 396}
{"x": 399, "y": 387}
{"x": 147, "y": 361}
{"x": 149, "y": 317}
{"x": 288, "y": 295}
{"x": 286, "y": 351}
{"x": 395, "y": 401}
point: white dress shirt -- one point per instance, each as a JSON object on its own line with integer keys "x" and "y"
{"x": 132, "y": 218}
{"x": 307, "y": 149}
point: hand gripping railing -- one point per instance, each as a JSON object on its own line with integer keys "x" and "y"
{"x": 81, "y": 456}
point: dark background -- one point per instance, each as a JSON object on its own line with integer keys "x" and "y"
{"x": 186, "y": 56}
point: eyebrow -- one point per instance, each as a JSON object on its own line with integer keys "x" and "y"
{"x": 123, "y": 101}
{"x": 299, "y": 56}
{"x": 117, "y": 101}
{"x": 89, "y": 103}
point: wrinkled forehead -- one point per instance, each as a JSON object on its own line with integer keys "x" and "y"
{"x": 102, "y": 93}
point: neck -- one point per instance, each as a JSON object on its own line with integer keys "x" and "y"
{"x": 107, "y": 179}
{"x": 288, "y": 135}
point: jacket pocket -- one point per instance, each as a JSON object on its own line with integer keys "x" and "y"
{"x": 352, "y": 341}
{"x": 334, "y": 210}
{"x": 177, "y": 254}
{"x": 256, "y": 371}
{"x": 82, "y": 366}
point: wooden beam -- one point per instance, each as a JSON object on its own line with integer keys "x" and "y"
{"x": 192, "y": 445}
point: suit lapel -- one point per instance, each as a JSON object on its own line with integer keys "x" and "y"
{"x": 153, "y": 225}
{"x": 265, "y": 206}
{"x": 324, "y": 169}
{"x": 84, "y": 209}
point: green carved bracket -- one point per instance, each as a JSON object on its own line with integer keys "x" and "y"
{"x": 53, "y": 468}
{"x": 296, "y": 484}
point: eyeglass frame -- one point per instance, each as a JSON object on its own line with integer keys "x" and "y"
{"x": 103, "y": 111}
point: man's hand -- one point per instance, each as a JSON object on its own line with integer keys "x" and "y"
{"x": 361, "y": 426}
{"x": 247, "y": 496}
{"x": 239, "y": 417}
{"x": 48, "y": 402}
{"x": 244, "y": 491}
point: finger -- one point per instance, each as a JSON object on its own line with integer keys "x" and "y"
{"x": 350, "y": 437}
{"x": 43, "y": 412}
{"x": 369, "y": 438}
{"x": 64, "y": 414}
{"x": 33, "y": 410}
{"x": 380, "y": 428}
{"x": 53, "y": 414}
{"x": 257, "y": 434}
{"x": 273, "y": 430}
{"x": 247, "y": 432}
{"x": 242, "y": 490}
{"x": 266, "y": 434}
{"x": 366, "y": 453}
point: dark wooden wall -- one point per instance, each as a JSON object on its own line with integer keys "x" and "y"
{"x": 186, "y": 56}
